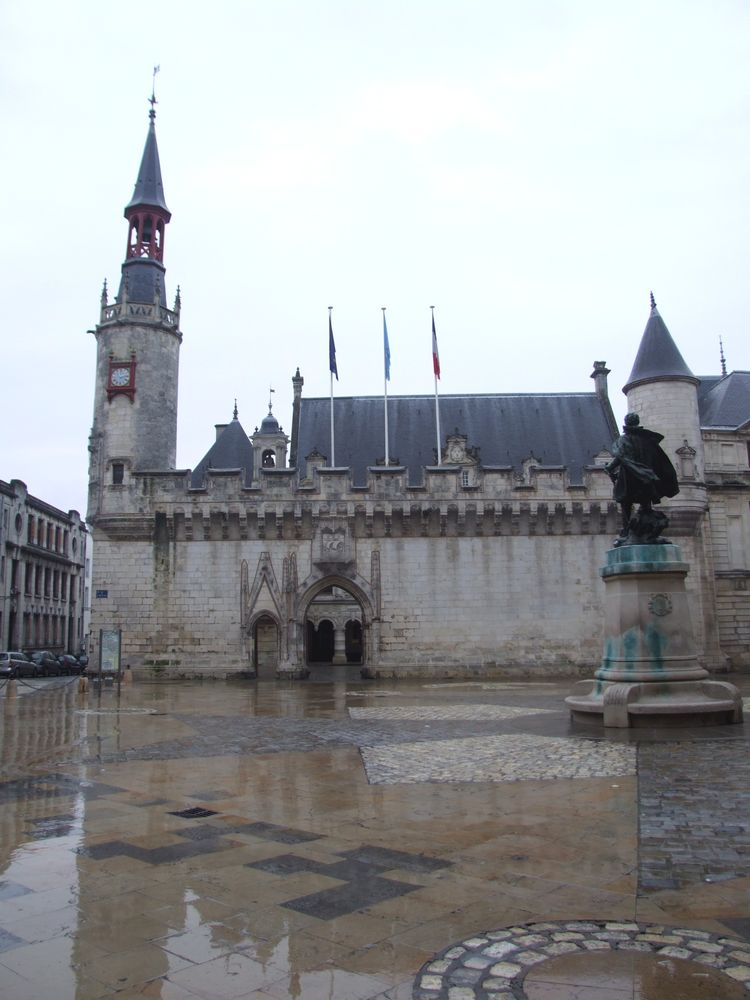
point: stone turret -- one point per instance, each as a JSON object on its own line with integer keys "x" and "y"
{"x": 663, "y": 391}
{"x": 270, "y": 443}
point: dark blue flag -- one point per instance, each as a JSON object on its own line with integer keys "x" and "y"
{"x": 332, "y": 351}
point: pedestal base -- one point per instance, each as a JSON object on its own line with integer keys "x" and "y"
{"x": 623, "y": 705}
{"x": 650, "y": 674}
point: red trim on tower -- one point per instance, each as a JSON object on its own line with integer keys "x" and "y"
{"x": 121, "y": 378}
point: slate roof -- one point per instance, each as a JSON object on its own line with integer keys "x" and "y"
{"x": 557, "y": 429}
{"x": 145, "y": 281}
{"x": 724, "y": 401}
{"x": 149, "y": 189}
{"x": 231, "y": 451}
{"x": 658, "y": 356}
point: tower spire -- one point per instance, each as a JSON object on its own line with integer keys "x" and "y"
{"x": 147, "y": 216}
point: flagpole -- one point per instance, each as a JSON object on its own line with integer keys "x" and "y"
{"x": 333, "y": 367}
{"x": 386, "y": 373}
{"x": 333, "y": 451}
{"x": 436, "y": 373}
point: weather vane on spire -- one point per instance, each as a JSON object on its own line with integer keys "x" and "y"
{"x": 270, "y": 393}
{"x": 152, "y": 100}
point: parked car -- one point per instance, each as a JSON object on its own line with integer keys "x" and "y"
{"x": 7, "y": 666}
{"x": 69, "y": 664}
{"x": 48, "y": 663}
{"x": 20, "y": 664}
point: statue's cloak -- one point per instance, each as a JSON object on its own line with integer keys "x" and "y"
{"x": 644, "y": 472}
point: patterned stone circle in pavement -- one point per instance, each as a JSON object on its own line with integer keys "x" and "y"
{"x": 493, "y": 965}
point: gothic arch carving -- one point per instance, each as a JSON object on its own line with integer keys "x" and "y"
{"x": 265, "y": 579}
{"x": 358, "y": 587}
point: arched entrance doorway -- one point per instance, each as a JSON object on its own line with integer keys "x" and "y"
{"x": 333, "y": 628}
{"x": 320, "y": 641}
{"x": 265, "y": 646}
{"x": 353, "y": 641}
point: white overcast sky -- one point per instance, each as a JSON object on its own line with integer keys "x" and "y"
{"x": 532, "y": 169}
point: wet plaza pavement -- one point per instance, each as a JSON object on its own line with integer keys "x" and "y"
{"x": 344, "y": 839}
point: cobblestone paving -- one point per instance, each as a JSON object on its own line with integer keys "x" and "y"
{"x": 496, "y": 758}
{"x": 445, "y": 712}
{"x": 694, "y": 812}
{"x": 493, "y": 965}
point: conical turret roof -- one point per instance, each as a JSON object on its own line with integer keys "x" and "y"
{"x": 149, "y": 189}
{"x": 658, "y": 356}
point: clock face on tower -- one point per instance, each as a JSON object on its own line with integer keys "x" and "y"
{"x": 121, "y": 378}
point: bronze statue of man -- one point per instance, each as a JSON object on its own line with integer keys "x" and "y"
{"x": 642, "y": 474}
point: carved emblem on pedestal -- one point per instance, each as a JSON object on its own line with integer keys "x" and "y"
{"x": 660, "y": 604}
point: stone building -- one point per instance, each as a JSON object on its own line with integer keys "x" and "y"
{"x": 481, "y": 560}
{"x": 42, "y": 560}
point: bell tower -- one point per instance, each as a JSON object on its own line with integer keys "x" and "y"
{"x": 137, "y": 351}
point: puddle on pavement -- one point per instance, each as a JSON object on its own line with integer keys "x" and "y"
{"x": 231, "y": 847}
{"x": 629, "y": 976}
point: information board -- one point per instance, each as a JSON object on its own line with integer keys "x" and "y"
{"x": 109, "y": 650}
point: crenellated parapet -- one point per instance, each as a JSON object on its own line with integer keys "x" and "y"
{"x": 500, "y": 502}
{"x": 391, "y": 484}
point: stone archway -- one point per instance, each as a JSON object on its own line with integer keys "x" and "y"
{"x": 334, "y": 626}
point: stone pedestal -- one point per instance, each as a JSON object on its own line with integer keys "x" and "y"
{"x": 650, "y": 673}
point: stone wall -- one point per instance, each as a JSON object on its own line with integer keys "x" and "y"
{"x": 495, "y": 579}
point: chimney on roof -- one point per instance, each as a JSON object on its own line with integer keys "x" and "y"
{"x": 599, "y": 375}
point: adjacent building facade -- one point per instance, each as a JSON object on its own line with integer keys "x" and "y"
{"x": 481, "y": 560}
{"x": 42, "y": 561}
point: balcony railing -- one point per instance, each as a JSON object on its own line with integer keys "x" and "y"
{"x": 151, "y": 313}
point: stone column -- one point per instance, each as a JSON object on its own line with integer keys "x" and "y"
{"x": 339, "y": 643}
